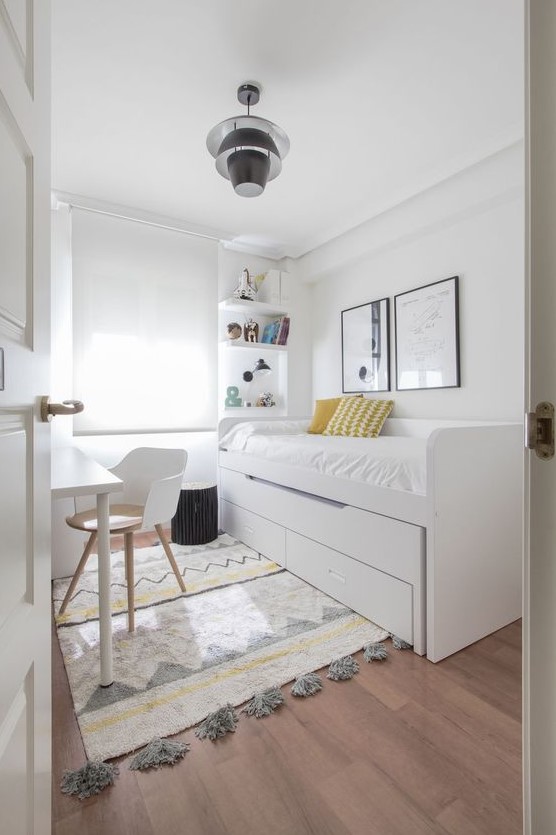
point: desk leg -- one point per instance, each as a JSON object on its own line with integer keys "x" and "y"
{"x": 104, "y": 603}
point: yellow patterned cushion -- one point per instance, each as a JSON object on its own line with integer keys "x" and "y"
{"x": 324, "y": 409}
{"x": 359, "y": 417}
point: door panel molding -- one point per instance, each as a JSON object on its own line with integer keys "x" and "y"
{"x": 21, "y": 42}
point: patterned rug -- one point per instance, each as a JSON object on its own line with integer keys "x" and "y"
{"x": 244, "y": 625}
{"x": 202, "y": 567}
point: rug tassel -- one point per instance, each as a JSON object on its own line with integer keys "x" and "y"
{"x": 159, "y": 752}
{"x": 265, "y": 703}
{"x": 399, "y": 643}
{"x": 307, "y": 685}
{"x": 375, "y": 652}
{"x": 343, "y": 669}
{"x": 217, "y": 724}
{"x": 90, "y": 779}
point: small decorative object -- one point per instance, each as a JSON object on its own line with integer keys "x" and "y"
{"x": 265, "y": 399}
{"x": 251, "y": 331}
{"x": 365, "y": 343}
{"x": 427, "y": 336}
{"x": 245, "y": 289}
{"x": 232, "y": 398}
{"x": 234, "y": 330}
{"x": 259, "y": 278}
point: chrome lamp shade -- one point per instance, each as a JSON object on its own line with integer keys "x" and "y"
{"x": 248, "y": 150}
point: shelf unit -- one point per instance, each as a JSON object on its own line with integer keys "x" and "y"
{"x": 237, "y": 356}
{"x": 252, "y": 346}
{"x": 253, "y": 309}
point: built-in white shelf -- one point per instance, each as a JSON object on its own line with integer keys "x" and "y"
{"x": 260, "y": 410}
{"x": 254, "y": 346}
{"x": 245, "y": 306}
{"x": 238, "y": 355}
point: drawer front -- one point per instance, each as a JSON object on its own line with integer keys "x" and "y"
{"x": 390, "y": 545}
{"x": 261, "y": 534}
{"x": 377, "y": 596}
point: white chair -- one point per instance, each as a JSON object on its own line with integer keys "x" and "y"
{"x": 152, "y": 480}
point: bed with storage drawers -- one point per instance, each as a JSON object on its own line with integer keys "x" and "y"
{"x": 418, "y": 530}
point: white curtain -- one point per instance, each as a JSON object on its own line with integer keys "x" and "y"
{"x": 144, "y": 326}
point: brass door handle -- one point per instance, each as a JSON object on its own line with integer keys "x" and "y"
{"x": 66, "y": 407}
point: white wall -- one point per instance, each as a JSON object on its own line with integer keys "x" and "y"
{"x": 471, "y": 226}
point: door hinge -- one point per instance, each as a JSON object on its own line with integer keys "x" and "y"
{"x": 539, "y": 430}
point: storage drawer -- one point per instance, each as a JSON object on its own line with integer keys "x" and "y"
{"x": 261, "y": 534}
{"x": 392, "y": 546}
{"x": 375, "y": 595}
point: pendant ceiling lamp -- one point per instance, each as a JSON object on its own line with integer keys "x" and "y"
{"x": 248, "y": 150}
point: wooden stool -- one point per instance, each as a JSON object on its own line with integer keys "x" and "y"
{"x": 196, "y": 519}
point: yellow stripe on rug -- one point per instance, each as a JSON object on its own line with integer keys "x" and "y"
{"x": 353, "y": 623}
{"x": 161, "y": 595}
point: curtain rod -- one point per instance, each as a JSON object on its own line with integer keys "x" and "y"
{"x": 82, "y": 208}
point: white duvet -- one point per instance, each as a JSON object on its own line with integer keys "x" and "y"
{"x": 387, "y": 461}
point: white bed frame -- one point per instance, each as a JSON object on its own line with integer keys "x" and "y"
{"x": 440, "y": 570}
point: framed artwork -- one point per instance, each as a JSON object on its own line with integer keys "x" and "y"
{"x": 427, "y": 336}
{"x": 365, "y": 347}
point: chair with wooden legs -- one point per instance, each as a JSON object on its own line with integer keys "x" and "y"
{"x": 152, "y": 480}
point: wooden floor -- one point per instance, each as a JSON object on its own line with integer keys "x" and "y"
{"x": 405, "y": 748}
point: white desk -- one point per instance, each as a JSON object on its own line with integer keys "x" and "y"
{"x": 74, "y": 474}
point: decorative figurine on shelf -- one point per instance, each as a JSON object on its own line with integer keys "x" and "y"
{"x": 251, "y": 331}
{"x": 265, "y": 399}
{"x": 246, "y": 288}
{"x": 232, "y": 399}
{"x": 234, "y": 330}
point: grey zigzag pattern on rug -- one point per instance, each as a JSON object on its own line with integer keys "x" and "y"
{"x": 167, "y": 672}
{"x": 189, "y": 656}
{"x": 201, "y": 566}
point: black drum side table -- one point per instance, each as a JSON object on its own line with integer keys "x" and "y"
{"x": 196, "y": 519}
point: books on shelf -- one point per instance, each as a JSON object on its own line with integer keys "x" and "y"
{"x": 276, "y": 333}
{"x": 283, "y": 331}
{"x": 268, "y": 333}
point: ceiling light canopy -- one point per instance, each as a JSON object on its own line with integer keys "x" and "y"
{"x": 248, "y": 150}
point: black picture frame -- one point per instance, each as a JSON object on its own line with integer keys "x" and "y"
{"x": 426, "y": 321}
{"x": 366, "y": 347}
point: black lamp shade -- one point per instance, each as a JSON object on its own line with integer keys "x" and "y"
{"x": 248, "y": 138}
{"x": 248, "y": 170}
{"x": 261, "y": 367}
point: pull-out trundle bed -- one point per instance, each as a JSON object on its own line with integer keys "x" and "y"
{"x": 418, "y": 530}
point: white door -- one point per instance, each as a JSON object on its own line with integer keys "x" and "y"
{"x": 540, "y": 511}
{"x": 24, "y": 439}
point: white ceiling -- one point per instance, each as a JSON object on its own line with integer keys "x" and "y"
{"x": 380, "y": 99}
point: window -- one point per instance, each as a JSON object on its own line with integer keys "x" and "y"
{"x": 144, "y": 326}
